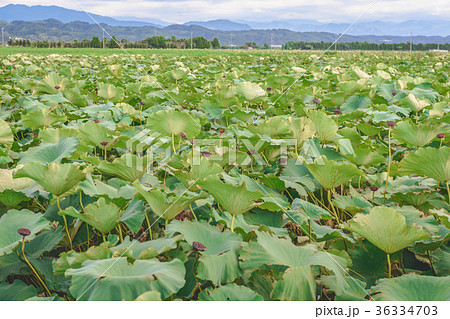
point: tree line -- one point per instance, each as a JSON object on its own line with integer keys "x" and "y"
{"x": 160, "y": 42}
{"x": 365, "y": 46}
{"x": 156, "y": 42}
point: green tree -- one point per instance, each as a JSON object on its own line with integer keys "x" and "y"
{"x": 95, "y": 42}
{"x": 215, "y": 43}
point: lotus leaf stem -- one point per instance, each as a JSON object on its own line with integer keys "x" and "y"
{"x": 232, "y": 224}
{"x": 34, "y": 270}
{"x": 192, "y": 212}
{"x": 389, "y": 265}
{"x": 119, "y": 228}
{"x": 389, "y": 164}
{"x": 65, "y": 224}
{"x": 149, "y": 227}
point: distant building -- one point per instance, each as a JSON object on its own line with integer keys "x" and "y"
{"x": 276, "y": 46}
{"x": 436, "y": 50}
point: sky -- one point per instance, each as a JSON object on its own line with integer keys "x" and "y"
{"x": 181, "y": 11}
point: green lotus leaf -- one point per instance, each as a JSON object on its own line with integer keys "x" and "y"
{"x": 386, "y": 228}
{"x": 325, "y": 126}
{"x": 115, "y": 279}
{"x": 17, "y": 291}
{"x": 110, "y": 92}
{"x": 275, "y": 127}
{"x": 353, "y": 204}
{"x": 234, "y": 199}
{"x": 150, "y": 296}
{"x": 172, "y": 123}
{"x": 51, "y": 82}
{"x": 47, "y": 153}
{"x": 297, "y": 284}
{"x": 198, "y": 171}
{"x": 310, "y": 210}
{"x": 430, "y": 162}
{"x": 355, "y": 102}
{"x": 42, "y": 118}
{"x": 412, "y": 287}
{"x": 7, "y": 181}
{"x": 128, "y": 167}
{"x": 417, "y": 135}
{"x": 101, "y": 215}
{"x": 53, "y": 135}
{"x": 140, "y": 250}
{"x": 364, "y": 156}
{"x": 269, "y": 250}
{"x": 12, "y": 221}
{"x": 441, "y": 261}
{"x": 219, "y": 262}
{"x": 166, "y": 205}
{"x": 413, "y": 103}
{"x": 301, "y": 128}
{"x": 251, "y": 91}
{"x": 55, "y": 178}
{"x": 230, "y": 292}
{"x": 177, "y": 74}
{"x": 355, "y": 292}
{"x": 11, "y": 198}
{"x": 134, "y": 215}
{"x": 75, "y": 97}
{"x": 6, "y": 135}
{"x": 93, "y": 134}
{"x": 330, "y": 174}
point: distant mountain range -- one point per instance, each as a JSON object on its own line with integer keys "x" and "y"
{"x": 428, "y": 27}
{"x": 55, "y": 30}
{"x": 13, "y": 12}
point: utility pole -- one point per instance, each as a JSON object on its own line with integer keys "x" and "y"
{"x": 191, "y": 40}
{"x": 271, "y": 40}
{"x": 411, "y": 44}
{"x": 103, "y": 39}
{"x": 3, "y": 36}
{"x": 335, "y": 42}
{"x": 231, "y": 40}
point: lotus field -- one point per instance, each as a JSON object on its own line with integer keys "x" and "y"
{"x": 224, "y": 176}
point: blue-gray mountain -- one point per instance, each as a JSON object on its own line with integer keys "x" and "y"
{"x": 55, "y": 30}
{"x": 430, "y": 27}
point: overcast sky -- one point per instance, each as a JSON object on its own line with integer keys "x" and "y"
{"x": 258, "y": 10}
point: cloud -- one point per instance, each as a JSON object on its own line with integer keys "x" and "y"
{"x": 258, "y": 10}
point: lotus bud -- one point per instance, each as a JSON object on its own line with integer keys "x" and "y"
{"x": 390, "y": 123}
{"x": 206, "y": 153}
{"x": 316, "y": 101}
{"x": 96, "y": 121}
{"x": 57, "y": 87}
{"x": 24, "y": 232}
{"x": 198, "y": 246}
{"x": 441, "y": 136}
{"x": 221, "y": 130}
{"x": 337, "y": 111}
{"x": 373, "y": 188}
{"x": 192, "y": 142}
{"x": 183, "y": 135}
{"x": 104, "y": 143}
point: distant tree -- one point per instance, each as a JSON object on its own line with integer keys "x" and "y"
{"x": 113, "y": 42}
{"x": 95, "y": 42}
{"x": 266, "y": 46}
{"x": 215, "y": 43}
{"x": 201, "y": 43}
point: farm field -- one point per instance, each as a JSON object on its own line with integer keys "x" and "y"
{"x": 224, "y": 175}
